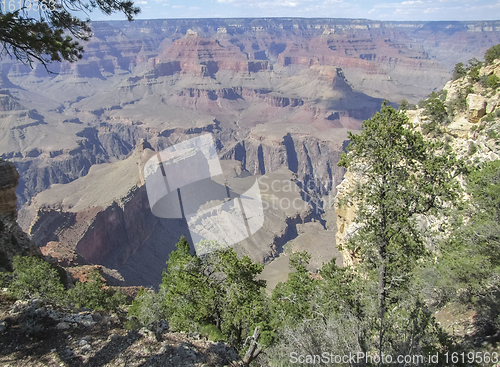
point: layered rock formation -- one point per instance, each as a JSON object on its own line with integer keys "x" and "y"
{"x": 156, "y": 79}
{"x": 13, "y": 241}
{"x": 276, "y": 94}
{"x": 106, "y": 219}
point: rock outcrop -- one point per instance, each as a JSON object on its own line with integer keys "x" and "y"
{"x": 476, "y": 107}
{"x": 89, "y": 338}
{"x": 476, "y": 127}
{"x": 13, "y": 241}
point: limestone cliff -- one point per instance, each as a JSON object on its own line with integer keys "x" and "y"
{"x": 472, "y": 133}
{"x": 13, "y": 241}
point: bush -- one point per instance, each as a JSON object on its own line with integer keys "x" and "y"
{"x": 35, "y": 278}
{"x": 472, "y": 148}
{"x": 211, "y": 332}
{"x": 492, "y": 54}
{"x": 4, "y": 260}
{"x": 489, "y": 118}
{"x": 95, "y": 295}
{"x": 457, "y": 104}
{"x": 435, "y": 110}
{"x": 147, "y": 308}
{"x": 492, "y": 81}
{"x": 474, "y": 75}
{"x": 432, "y": 128}
{"x": 403, "y": 105}
{"x": 492, "y": 134}
{"x": 483, "y": 80}
{"x": 459, "y": 71}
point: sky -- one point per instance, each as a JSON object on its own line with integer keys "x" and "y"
{"x": 416, "y": 10}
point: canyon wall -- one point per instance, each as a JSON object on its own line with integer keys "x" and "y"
{"x": 13, "y": 241}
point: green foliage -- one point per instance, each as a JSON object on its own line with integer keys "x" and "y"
{"x": 469, "y": 89}
{"x": 435, "y": 110}
{"x": 211, "y": 332}
{"x": 217, "y": 289}
{"x": 472, "y": 148}
{"x": 406, "y": 177}
{"x": 293, "y": 299}
{"x": 473, "y": 70}
{"x": 493, "y": 81}
{"x": 53, "y": 34}
{"x": 147, "y": 308}
{"x": 4, "y": 261}
{"x": 483, "y": 80}
{"x": 488, "y": 118}
{"x": 5, "y": 279}
{"x": 459, "y": 71}
{"x": 95, "y": 295}
{"x": 457, "y": 104}
{"x": 492, "y": 134}
{"x": 403, "y": 105}
{"x": 469, "y": 270}
{"x": 492, "y": 54}
{"x": 35, "y": 278}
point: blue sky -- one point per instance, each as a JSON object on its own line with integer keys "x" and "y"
{"x": 379, "y": 10}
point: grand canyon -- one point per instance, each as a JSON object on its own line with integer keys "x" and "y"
{"x": 278, "y": 96}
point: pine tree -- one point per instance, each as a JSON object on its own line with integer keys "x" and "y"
{"x": 53, "y": 31}
{"x": 218, "y": 291}
{"x": 401, "y": 177}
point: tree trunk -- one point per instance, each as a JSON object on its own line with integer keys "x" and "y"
{"x": 381, "y": 296}
{"x": 254, "y": 349}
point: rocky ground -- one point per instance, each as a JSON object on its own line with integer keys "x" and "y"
{"x": 38, "y": 334}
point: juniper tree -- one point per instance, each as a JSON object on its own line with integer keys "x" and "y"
{"x": 401, "y": 177}
{"x": 218, "y": 290}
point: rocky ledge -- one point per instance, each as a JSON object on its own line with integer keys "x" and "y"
{"x": 74, "y": 338}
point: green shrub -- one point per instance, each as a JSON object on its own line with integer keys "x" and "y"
{"x": 457, "y": 104}
{"x": 459, "y": 71}
{"x": 211, "y": 332}
{"x": 35, "y": 278}
{"x": 474, "y": 128}
{"x": 491, "y": 54}
{"x": 489, "y": 117}
{"x": 403, "y": 105}
{"x": 147, "y": 308}
{"x": 497, "y": 112}
{"x": 474, "y": 75}
{"x": 492, "y": 134}
{"x": 492, "y": 81}
{"x": 5, "y": 279}
{"x": 472, "y": 148}
{"x": 483, "y": 80}
{"x": 94, "y": 295}
{"x": 435, "y": 109}
{"x": 431, "y": 128}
